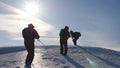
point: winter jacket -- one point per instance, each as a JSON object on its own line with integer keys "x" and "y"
{"x": 64, "y": 35}
{"x": 30, "y": 34}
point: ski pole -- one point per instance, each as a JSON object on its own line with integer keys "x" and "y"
{"x": 43, "y": 45}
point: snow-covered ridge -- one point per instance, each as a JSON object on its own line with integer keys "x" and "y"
{"x": 85, "y": 57}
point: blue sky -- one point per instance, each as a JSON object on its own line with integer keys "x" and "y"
{"x": 97, "y": 20}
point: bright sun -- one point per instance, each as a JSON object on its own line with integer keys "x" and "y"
{"x": 32, "y": 8}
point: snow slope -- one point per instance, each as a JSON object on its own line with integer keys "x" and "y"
{"x": 85, "y": 57}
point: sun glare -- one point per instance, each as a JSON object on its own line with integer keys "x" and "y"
{"x": 32, "y": 8}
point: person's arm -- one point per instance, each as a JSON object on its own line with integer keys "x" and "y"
{"x": 36, "y": 34}
{"x": 68, "y": 34}
{"x": 71, "y": 34}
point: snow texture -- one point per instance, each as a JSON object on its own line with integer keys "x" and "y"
{"x": 78, "y": 57}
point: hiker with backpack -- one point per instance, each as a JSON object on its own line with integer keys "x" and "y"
{"x": 75, "y": 36}
{"x": 29, "y": 35}
{"x": 64, "y": 36}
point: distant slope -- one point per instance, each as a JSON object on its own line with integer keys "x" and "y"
{"x": 85, "y": 57}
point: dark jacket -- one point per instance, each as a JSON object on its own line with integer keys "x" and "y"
{"x": 75, "y": 34}
{"x": 64, "y": 34}
{"x": 30, "y": 34}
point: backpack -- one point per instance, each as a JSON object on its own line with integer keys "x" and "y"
{"x": 62, "y": 32}
{"x": 27, "y": 33}
{"x": 78, "y": 34}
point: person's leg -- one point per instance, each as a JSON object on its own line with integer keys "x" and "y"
{"x": 74, "y": 41}
{"x": 30, "y": 55}
{"x": 65, "y": 48}
{"x": 27, "y": 48}
{"x": 61, "y": 47}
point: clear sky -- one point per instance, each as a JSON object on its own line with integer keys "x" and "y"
{"x": 97, "y": 20}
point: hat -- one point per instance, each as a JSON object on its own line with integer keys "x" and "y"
{"x": 66, "y": 27}
{"x": 30, "y": 26}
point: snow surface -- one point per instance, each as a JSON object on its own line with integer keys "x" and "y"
{"x": 85, "y": 57}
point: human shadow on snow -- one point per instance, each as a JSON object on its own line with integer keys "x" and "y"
{"x": 97, "y": 50}
{"x": 77, "y": 65}
{"x": 106, "y": 61}
{"x": 100, "y": 58}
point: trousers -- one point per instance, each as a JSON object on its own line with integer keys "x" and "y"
{"x": 30, "y": 49}
{"x": 63, "y": 47}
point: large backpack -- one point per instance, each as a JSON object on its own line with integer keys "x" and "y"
{"x": 78, "y": 34}
{"x": 62, "y": 32}
{"x": 27, "y": 33}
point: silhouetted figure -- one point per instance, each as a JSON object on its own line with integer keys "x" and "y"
{"x": 75, "y": 36}
{"x": 64, "y": 35}
{"x": 29, "y": 35}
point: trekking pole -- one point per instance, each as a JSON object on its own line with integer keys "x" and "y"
{"x": 43, "y": 45}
